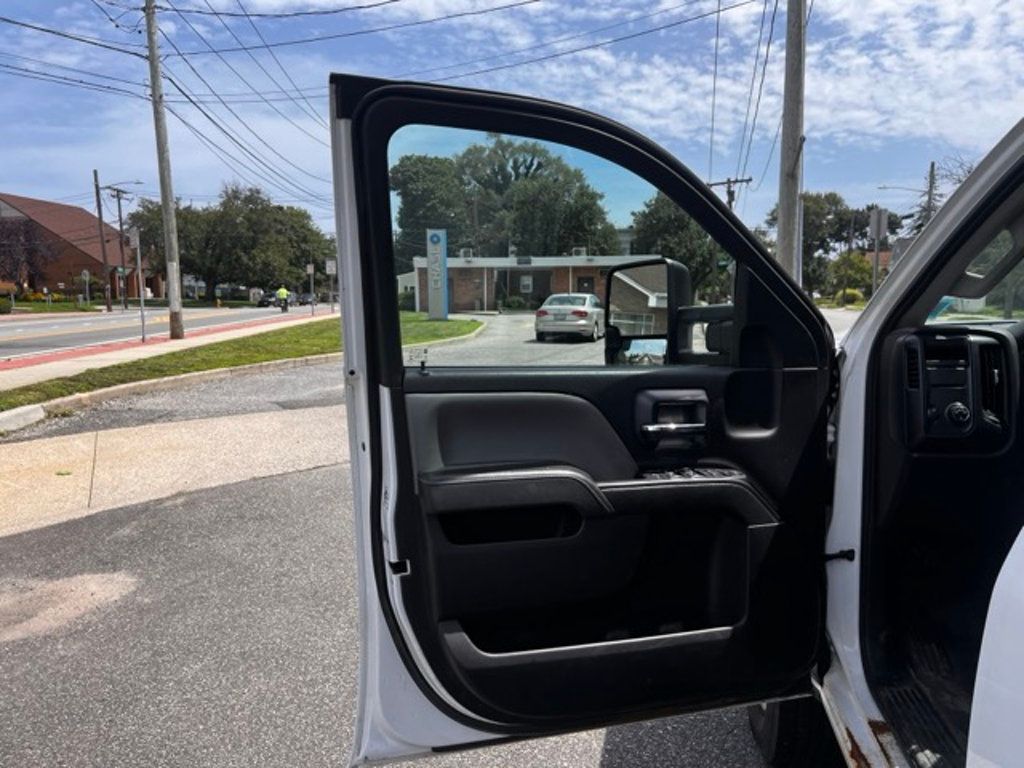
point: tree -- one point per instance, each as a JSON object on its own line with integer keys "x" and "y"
{"x": 662, "y": 227}
{"x": 851, "y": 269}
{"x": 243, "y": 239}
{"x": 432, "y": 197}
{"x": 496, "y": 194}
{"x": 24, "y": 253}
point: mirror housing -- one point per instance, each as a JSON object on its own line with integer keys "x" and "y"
{"x": 642, "y": 300}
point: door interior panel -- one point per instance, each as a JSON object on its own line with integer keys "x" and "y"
{"x": 571, "y": 567}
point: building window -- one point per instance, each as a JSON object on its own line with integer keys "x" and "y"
{"x": 526, "y": 283}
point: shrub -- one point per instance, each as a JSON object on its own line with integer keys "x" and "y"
{"x": 849, "y": 296}
{"x": 407, "y": 301}
{"x": 514, "y": 302}
{"x": 5, "y": 306}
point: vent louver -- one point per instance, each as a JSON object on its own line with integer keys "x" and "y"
{"x": 913, "y": 368}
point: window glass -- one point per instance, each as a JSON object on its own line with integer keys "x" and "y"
{"x": 1004, "y": 301}
{"x": 520, "y": 235}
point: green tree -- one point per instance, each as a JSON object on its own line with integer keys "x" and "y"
{"x": 243, "y": 239}
{"x": 432, "y": 196}
{"x": 851, "y": 269}
{"x": 662, "y": 227}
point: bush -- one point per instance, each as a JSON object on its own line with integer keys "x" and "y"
{"x": 407, "y": 301}
{"x": 35, "y": 296}
{"x": 514, "y": 302}
{"x": 5, "y": 306}
{"x": 849, "y": 296}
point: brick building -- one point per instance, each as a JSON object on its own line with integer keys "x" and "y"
{"x": 71, "y": 234}
{"x": 476, "y": 284}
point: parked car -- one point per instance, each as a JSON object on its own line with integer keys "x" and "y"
{"x": 268, "y": 299}
{"x": 307, "y": 298}
{"x": 832, "y": 537}
{"x": 570, "y": 314}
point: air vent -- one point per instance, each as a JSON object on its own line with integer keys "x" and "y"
{"x": 993, "y": 381}
{"x": 913, "y": 368}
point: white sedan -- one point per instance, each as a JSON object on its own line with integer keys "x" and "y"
{"x": 577, "y": 314}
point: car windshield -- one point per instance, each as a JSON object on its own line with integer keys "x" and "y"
{"x": 565, "y": 301}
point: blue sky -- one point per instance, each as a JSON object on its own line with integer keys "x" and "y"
{"x": 891, "y": 85}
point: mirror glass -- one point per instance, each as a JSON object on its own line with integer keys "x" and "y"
{"x": 638, "y": 300}
{"x": 641, "y": 352}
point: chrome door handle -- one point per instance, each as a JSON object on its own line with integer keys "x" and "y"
{"x": 671, "y": 427}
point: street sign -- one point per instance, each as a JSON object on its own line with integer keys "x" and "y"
{"x": 85, "y": 275}
{"x": 133, "y": 238}
{"x": 437, "y": 273}
{"x": 122, "y": 271}
{"x": 331, "y": 267}
{"x": 309, "y": 269}
{"x": 879, "y": 226}
{"x": 60, "y": 286}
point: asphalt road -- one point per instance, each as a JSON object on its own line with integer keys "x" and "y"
{"x": 35, "y": 334}
{"x": 219, "y": 628}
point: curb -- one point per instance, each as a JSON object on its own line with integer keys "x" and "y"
{"x": 26, "y": 415}
{"x": 17, "y": 418}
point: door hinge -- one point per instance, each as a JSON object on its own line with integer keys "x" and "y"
{"x": 842, "y": 554}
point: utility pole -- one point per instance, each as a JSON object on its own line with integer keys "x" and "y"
{"x": 791, "y": 156}
{"x": 730, "y": 185}
{"x": 103, "y": 238}
{"x": 931, "y": 191}
{"x": 163, "y": 156}
{"x": 123, "y": 280}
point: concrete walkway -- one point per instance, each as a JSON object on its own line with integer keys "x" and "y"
{"x": 79, "y": 360}
{"x": 55, "y": 479}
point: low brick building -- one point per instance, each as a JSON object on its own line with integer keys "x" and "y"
{"x": 71, "y": 236}
{"x": 479, "y": 284}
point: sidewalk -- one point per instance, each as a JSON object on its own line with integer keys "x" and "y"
{"x": 21, "y": 372}
{"x": 54, "y": 479}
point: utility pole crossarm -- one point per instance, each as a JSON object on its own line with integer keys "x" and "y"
{"x": 730, "y": 185}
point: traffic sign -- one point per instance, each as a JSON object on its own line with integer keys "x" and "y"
{"x": 332, "y": 267}
{"x": 309, "y": 269}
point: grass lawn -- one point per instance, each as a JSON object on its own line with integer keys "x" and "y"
{"x": 316, "y": 338}
{"x": 34, "y": 307}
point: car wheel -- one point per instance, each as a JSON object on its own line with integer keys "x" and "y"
{"x": 794, "y": 733}
{"x": 596, "y": 333}
{"x": 541, "y": 336}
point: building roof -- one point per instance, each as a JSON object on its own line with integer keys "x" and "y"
{"x": 68, "y": 222}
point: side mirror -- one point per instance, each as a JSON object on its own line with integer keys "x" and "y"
{"x": 642, "y": 301}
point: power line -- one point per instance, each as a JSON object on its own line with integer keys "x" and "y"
{"x": 547, "y": 43}
{"x": 370, "y": 31}
{"x": 76, "y": 70}
{"x": 281, "y": 14}
{"x": 31, "y": 74}
{"x": 281, "y": 66}
{"x": 109, "y": 45}
{"x": 241, "y": 77}
{"x": 750, "y": 93}
{"x": 714, "y": 93}
{"x": 601, "y": 44}
{"x": 760, "y": 88}
{"x": 239, "y": 118}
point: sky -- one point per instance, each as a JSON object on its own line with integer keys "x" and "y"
{"x": 890, "y": 86}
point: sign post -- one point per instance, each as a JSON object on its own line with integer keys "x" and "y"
{"x": 437, "y": 274}
{"x": 331, "y": 267}
{"x": 85, "y": 279}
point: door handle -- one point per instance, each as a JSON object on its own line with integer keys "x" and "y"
{"x": 672, "y": 427}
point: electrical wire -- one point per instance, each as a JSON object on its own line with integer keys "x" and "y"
{"x": 547, "y": 43}
{"x": 600, "y": 44}
{"x": 110, "y": 45}
{"x": 270, "y": 14}
{"x": 243, "y": 123}
{"x": 371, "y": 30}
{"x": 250, "y": 86}
{"x": 714, "y": 93}
{"x": 750, "y": 92}
{"x": 31, "y": 74}
{"x": 263, "y": 40}
{"x": 760, "y": 88}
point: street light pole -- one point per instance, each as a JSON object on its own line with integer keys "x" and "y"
{"x": 123, "y": 278}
